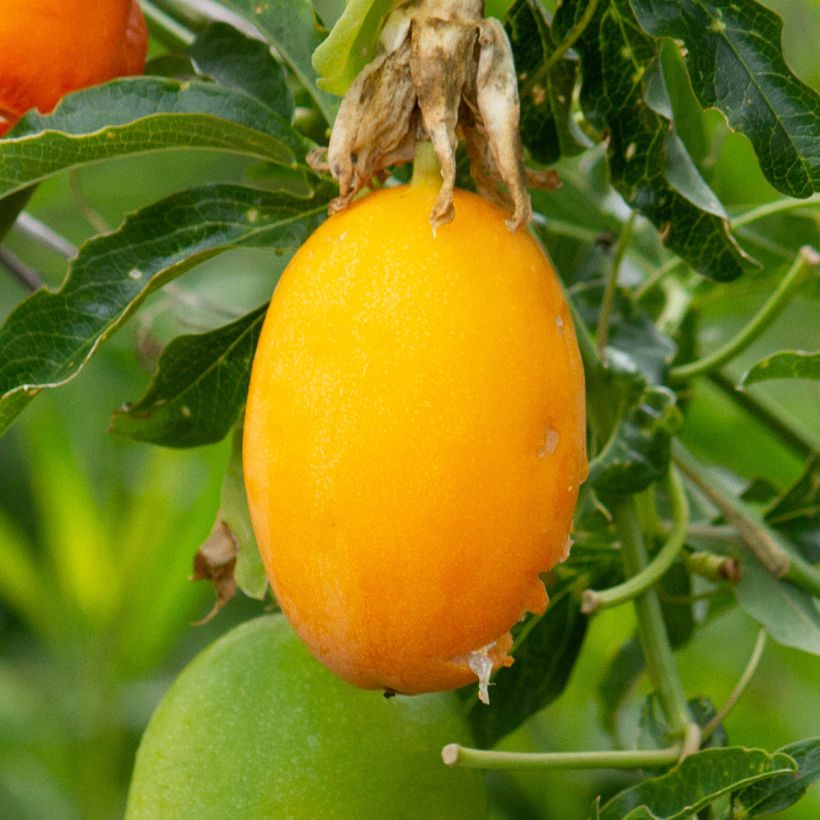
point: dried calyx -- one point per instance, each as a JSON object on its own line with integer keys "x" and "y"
{"x": 442, "y": 72}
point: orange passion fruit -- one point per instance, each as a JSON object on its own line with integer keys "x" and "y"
{"x": 51, "y": 47}
{"x": 414, "y": 439}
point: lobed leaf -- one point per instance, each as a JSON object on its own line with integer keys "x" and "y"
{"x": 198, "y": 389}
{"x": 786, "y": 364}
{"x": 736, "y": 64}
{"x": 776, "y": 794}
{"x": 547, "y": 127}
{"x": 351, "y": 44}
{"x": 790, "y": 615}
{"x": 239, "y": 62}
{"x": 139, "y": 115}
{"x": 696, "y": 782}
{"x": 292, "y": 27}
{"x": 50, "y": 336}
{"x": 648, "y": 165}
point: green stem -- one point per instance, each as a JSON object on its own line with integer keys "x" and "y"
{"x": 656, "y": 277}
{"x": 651, "y": 628}
{"x": 740, "y": 687}
{"x": 166, "y": 28}
{"x": 652, "y": 572}
{"x": 625, "y": 238}
{"x": 758, "y": 537}
{"x": 26, "y": 276}
{"x": 426, "y": 168}
{"x": 755, "y": 407}
{"x": 562, "y": 48}
{"x": 806, "y": 259}
{"x": 455, "y": 755}
{"x": 775, "y": 207}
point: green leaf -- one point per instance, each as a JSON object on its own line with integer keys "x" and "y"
{"x": 796, "y": 513}
{"x": 50, "y": 336}
{"x": 778, "y": 793}
{"x": 543, "y": 665}
{"x": 292, "y": 27}
{"x": 351, "y": 44}
{"x": 696, "y": 782}
{"x": 198, "y": 389}
{"x": 249, "y": 572}
{"x": 638, "y": 451}
{"x": 790, "y": 615}
{"x": 239, "y": 62}
{"x": 648, "y": 165}
{"x": 547, "y": 127}
{"x": 787, "y": 364}
{"x": 139, "y": 115}
{"x": 736, "y": 64}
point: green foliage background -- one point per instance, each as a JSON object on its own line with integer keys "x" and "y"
{"x": 97, "y": 532}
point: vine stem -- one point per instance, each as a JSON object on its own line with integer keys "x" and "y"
{"x": 166, "y": 28}
{"x": 651, "y": 629}
{"x": 28, "y": 278}
{"x": 806, "y": 259}
{"x": 602, "y": 333}
{"x": 754, "y": 405}
{"x": 775, "y": 207}
{"x": 758, "y": 537}
{"x": 455, "y": 755}
{"x": 740, "y": 686}
{"x": 45, "y": 236}
{"x": 562, "y": 48}
{"x": 196, "y": 14}
{"x": 638, "y": 584}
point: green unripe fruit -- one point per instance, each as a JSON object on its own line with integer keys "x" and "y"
{"x": 255, "y": 728}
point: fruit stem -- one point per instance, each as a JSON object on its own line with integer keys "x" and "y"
{"x": 651, "y": 627}
{"x": 652, "y": 572}
{"x": 757, "y": 536}
{"x": 455, "y": 755}
{"x": 806, "y": 259}
{"x": 426, "y": 168}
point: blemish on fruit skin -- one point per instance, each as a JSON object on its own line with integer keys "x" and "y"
{"x": 559, "y": 323}
{"x": 550, "y": 444}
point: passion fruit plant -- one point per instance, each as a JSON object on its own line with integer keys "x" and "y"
{"x": 604, "y": 128}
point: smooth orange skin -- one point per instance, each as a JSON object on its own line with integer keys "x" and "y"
{"x": 414, "y": 438}
{"x": 51, "y": 47}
